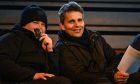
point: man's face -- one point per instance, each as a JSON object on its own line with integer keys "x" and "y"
{"x": 73, "y": 23}
{"x": 35, "y": 24}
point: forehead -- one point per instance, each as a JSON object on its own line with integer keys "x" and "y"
{"x": 38, "y": 21}
{"x": 73, "y": 15}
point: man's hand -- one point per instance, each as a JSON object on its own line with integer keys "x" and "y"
{"x": 42, "y": 76}
{"x": 46, "y": 42}
{"x": 121, "y": 78}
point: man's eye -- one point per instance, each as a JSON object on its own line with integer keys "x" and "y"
{"x": 71, "y": 21}
{"x": 80, "y": 20}
{"x": 43, "y": 24}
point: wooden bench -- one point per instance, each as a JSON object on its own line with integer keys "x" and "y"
{"x": 117, "y": 20}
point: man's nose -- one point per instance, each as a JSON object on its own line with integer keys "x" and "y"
{"x": 77, "y": 24}
{"x": 39, "y": 26}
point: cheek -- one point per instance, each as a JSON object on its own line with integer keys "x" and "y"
{"x": 29, "y": 27}
{"x": 69, "y": 26}
{"x": 83, "y": 24}
{"x": 32, "y": 27}
{"x": 43, "y": 30}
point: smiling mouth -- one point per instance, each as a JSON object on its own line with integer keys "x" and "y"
{"x": 77, "y": 30}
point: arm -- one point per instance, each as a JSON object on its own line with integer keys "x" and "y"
{"x": 53, "y": 62}
{"x": 9, "y": 51}
{"x": 112, "y": 59}
{"x": 47, "y": 45}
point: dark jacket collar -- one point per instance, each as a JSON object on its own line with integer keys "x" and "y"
{"x": 18, "y": 28}
{"x": 84, "y": 41}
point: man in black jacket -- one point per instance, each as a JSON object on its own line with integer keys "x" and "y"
{"x": 85, "y": 56}
{"x": 26, "y": 53}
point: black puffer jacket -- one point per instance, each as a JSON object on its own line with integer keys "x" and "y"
{"x": 86, "y": 64}
{"x": 21, "y": 56}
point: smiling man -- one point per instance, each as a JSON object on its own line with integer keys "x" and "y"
{"x": 85, "y": 56}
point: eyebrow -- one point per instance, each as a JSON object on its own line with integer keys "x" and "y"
{"x": 71, "y": 20}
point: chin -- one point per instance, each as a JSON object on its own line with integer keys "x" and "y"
{"x": 77, "y": 35}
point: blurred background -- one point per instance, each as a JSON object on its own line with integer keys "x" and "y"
{"x": 117, "y": 20}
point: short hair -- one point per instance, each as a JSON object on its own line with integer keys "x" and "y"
{"x": 70, "y": 6}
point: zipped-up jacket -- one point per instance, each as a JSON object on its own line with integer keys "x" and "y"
{"x": 21, "y": 56}
{"x": 86, "y": 65}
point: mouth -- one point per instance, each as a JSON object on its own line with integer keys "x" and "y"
{"x": 76, "y": 30}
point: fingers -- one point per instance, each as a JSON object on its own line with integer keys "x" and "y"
{"x": 46, "y": 42}
{"x": 42, "y": 76}
{"x": 121, "y": 77}
{"x": 46, "y": 39}
{"x": 50, "y": 75}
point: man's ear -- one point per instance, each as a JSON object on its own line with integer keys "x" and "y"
{"x": 61, "y": 26}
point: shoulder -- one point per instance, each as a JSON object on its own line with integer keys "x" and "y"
{"x": 92, "y": 31}
{"x": 135, "y": 42}
{"x": 9, "y": 36}
{"x": 95, "y": 35}
{"x": 59, "y": 43}
{"x": 62, "y": 45}
{"x": 4, "y": 31}
{"x": 6, "y": 35}
{"x": 136, "y": 39}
